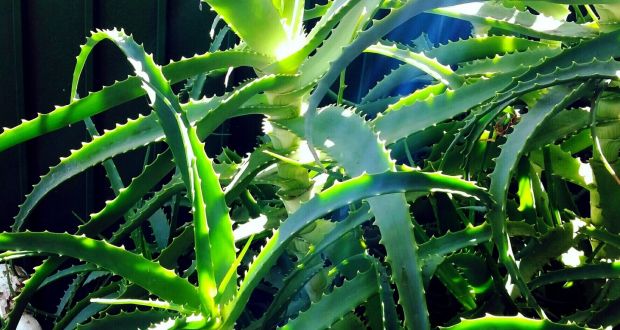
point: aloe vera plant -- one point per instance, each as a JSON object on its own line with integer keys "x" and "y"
{"x": 351, "y": 214}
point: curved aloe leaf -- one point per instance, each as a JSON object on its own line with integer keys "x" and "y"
{"x": 585, "y": 272}
{"x": 84, "y": 309}
{"x": 272, "y": 34}
{"x": 605, "y": 162}
{"x": 510, "y": 322}
{"x": 149, "y": 208}
{"x": 317, "y": 35}
{"x": 565, "y": 166}
{"x": 348, "y": 28}
{"x": 430, "y": 66}
{"x": 522, "y": 22}
{"x": 122, "y": 92}
{"x": 127, "y": 320}
{"x": 146, "y": 273}
{"x": 68, "y": 272}
{"x": 558, "y": 98}
{"x": 506, "y": 63}
{"x": 437, "y": 108}
{"x": 601, "y": 235}
{"x": 341, "y": 300}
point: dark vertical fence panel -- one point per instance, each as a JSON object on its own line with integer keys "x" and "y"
{"x": 12, "y": 105}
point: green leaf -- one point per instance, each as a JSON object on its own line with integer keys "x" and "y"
{"x": 311, "y": 263}
{"x": 358, "y": 13}
{"x": 146, "y": 273}
{"x": 337, "y": 303}
{"x": 510, "y": 322}
{"x": 586, "y": 272}
{"x": 540, "y": 26}
{"x": 68, "y": 272}
{"x": 126, "y": 320}
{"x": 565, "y": 166}
{"x": 605, "y": 161}
{"x": 291, "y": 58}
{"x": 432, "y": 67}
{"x": 538, "y": 252}
{"x": 558, "y": 98}
{"x": 272, "y": 34}
{"x": 122, "y": 92}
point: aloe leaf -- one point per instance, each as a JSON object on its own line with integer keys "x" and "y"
{"x": 251, "y": 165}
{"x": 271, "y": 36}
{"x": 116, "y": 182}
{"x": 454, "y": 241}
{"x": 331, "y": 48}
{"x": 479, "y": 48}
{"x": 129, "y": 196}
{"x": 563, "y": 125}
{"x": 292, "y": 13}
{"x": 601, "y": 48}
{"x": 565, "y": 166}
{"x": 84, "y": 309}
{"x": 149, "y": 208}
{"x": 69, "y": 294}
{"x": 68, "y": 272}
{"x": 341, "y": 300}
{"x": 388, "y": 307}
{"x": 146, "y": 273}
{"x": 337, "y": 11}
{"x": 538, "y": 253}
{"x": 122, "y": 92}
{"x": 555, "y": 10}
{"x": 513, "y": 20}
{"x": 506, "y": 63}
{"x": 585, "y": 272}
{"x": 383, "y": 88}
{"x": 430, "y": 66}
{"x": 574, "y": 63}
{"x": 213, "y": 235}
{"x": 602, "y": 235}
{"x": 451, "y": 103}
{"x": 318, "y": 10}
{"x": 126, "y": 320}
{"x": 605, "y": 162}
{"x": 147, "y": 303}
{"x": 558, "y": 98}
{"x": 510, "y": 322}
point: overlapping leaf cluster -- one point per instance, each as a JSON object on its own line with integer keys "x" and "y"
{"x": 493, "y": 188}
